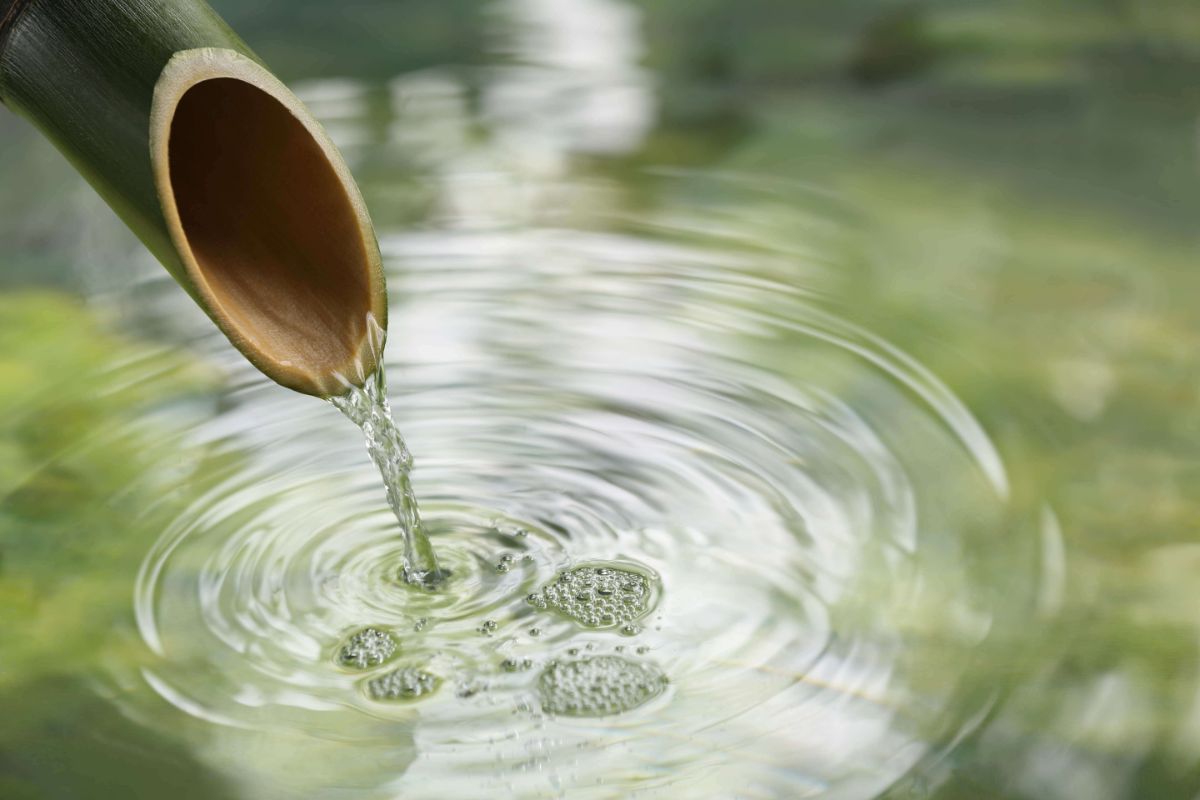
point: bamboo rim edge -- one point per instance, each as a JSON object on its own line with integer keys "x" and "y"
{"x": 186, "y": 69}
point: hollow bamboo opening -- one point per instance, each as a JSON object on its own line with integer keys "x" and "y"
{"x": 268, "y": 223}
{"x": 270, "y": 227}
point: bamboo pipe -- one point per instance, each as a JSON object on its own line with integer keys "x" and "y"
{"x": 217, "y": 167}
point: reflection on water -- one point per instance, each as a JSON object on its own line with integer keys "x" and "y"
{"x": 572, "y": 396}
{"x": 707, "y": 534}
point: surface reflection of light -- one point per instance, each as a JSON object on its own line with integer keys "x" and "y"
{"x": 577, "y": 86}
{"x": 502, "y": 145}
{"x": 341, "y": 105}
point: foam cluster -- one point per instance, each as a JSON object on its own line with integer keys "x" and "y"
{"x": 597, "y": 597}
{"x": 367, "y": 648}
{"x": 596, "y": 687}
{"x": 406, "y": 683}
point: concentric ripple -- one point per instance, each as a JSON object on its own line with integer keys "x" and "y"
{"x": 811, "y": 504}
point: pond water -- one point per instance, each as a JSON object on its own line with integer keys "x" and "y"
{"x": 783, "y": 426}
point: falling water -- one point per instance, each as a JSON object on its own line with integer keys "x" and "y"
{"x": 366, "y": 405}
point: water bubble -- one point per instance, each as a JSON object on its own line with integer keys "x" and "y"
{"x": 629, "y": 629}
{"x": 420, "y": 624}
{"x": 597, "y": 686}
{"x": 535, "y": 631}
{"x": 488, "y": 627}
{"x": 597, "y": 597}
{"x": 367, "y": 648}
{"x": 406, "y": 683}
{"x": 469, "y": 689}
{"x": 516, "y": 664}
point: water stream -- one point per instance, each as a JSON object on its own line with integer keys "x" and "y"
{"x": 366, "y": 405}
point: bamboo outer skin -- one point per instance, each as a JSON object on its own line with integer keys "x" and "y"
{"x": 84, "y": 72}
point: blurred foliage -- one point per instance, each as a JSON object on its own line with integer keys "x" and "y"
{"x": 76, "y": 745}
{"x": 73, "y": 528}
{"x": 82, "y": 426}
{"x": 368, "y": 39}
{"x": 894, "y": 46}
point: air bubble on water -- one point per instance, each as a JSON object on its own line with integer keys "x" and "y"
{"x": 406, "y": 683}
{"x": 368, "y": 647}
{"x": 629, "y": 629}
{"x": 535, "y": 631}
{"x": 597, "y": 597}
{"x": 469, "y": 689}
{"x": 503, "y": 567}
{"x": 643, "y": 650}
{"x": 516, "y": 664}
{"x": 598, "y": 686}
{"x": 488, "y": 627}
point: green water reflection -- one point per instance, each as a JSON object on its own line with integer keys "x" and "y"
{"x": 1007, "y": 191}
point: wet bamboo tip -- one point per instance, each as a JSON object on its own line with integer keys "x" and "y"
{"x": 267, "y": 221}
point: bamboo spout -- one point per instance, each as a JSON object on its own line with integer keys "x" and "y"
{"x": 218, "y": 168}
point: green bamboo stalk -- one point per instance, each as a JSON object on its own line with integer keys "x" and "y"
{"x": 216, "y": 166}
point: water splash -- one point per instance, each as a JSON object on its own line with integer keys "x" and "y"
{"x": 366, "y": 405}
